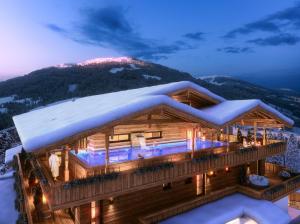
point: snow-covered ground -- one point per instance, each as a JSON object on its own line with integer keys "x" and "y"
{"x": 7, "y": 99}
{"x": 116, "y": 70}
{"x": 230, "y": 208}
{"x": 152, "y": 77}
{"x": 8, "y": 213}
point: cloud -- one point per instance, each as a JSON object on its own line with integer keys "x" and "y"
{"x": 276, "y": 40}
{"x": 109, "y": 27}
{"x": 194, "y": 36}
{"x": 55, "y": 28}
{"x": 235, "y": 50}
{"x": 288, "y": 19}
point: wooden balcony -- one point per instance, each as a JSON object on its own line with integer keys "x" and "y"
{"x": 76, "y": 192}
{"x": 63, "y": 195}
{"x": 276, "y": 191}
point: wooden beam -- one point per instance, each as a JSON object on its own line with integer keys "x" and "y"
{"x": 66, "y": 171}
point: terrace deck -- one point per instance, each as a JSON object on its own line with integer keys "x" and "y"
{"x": 130, "y": 180}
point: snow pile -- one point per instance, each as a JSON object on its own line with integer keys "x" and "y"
{"x": 230, "y": 208}
{"x": 8, "y": 214}
{"x": 116, "y": 70}
{"x": 9, "y": 153}
{"x": 152, "y": 77}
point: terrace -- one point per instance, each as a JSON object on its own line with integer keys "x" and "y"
{"x": 132, "y": 175}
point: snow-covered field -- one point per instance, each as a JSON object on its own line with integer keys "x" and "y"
{"x": 8, "y": 214}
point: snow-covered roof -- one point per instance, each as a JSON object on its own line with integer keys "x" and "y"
{"x": 54, "y": 123}
{"x": 230, "y": 109}
{"x": 9, "y": 153}
{"x": 232, "y": 207}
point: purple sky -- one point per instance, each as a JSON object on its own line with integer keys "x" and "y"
{"x": 229, "y": 37}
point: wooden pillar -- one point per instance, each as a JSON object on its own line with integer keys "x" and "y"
{"x": 200, "y": 184}
{"x": 66, "y": 172}
{"x": 193, "y": 142}
{"x": 227, "y": 136}
{"x": 106, "y": 151}
{"x": 212, "y": 138}
{"x": 255, "y": 132}
{"x": 204, "y": 184}
{"x": 101, "y": 212}
{"x": 264, "y": 137}
{"x": 97, "y": 212}
{"x": 261, "y": 167}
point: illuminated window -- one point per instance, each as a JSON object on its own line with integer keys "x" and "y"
{"x": 119, "y": 138}
{"x": 153, "y": 135}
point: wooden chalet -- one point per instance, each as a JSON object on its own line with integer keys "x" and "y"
{"x": 144, "y": 155}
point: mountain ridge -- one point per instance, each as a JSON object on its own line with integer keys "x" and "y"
{"x": 98, "y": 76}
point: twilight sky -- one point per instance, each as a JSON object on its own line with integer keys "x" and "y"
{"x": 229, "y": 37}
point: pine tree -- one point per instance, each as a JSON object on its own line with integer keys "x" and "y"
{"x": 292, "y": 155}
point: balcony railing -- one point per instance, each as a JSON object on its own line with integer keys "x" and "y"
{"x": 76, "y": 192}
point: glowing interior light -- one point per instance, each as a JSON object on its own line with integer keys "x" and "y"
{"x": 226, "y": 168}
{"x": 203, "y": 138}
{"x": 93, "y": 209}
{"x": 44, "y": 199}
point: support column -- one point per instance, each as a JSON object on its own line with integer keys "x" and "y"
{"x": 212, "y": 138}
{"x": 200, "y": 184}
{"x": 66, "y": 172}
{"x": 97, "y": 212}
{"x": 204, "y": 184}
{"x": 264, "y": 137}
{"x": 261, "y": 167}
{"x": 106, "y": 151}
{"x": 227, "y": 137}
{"x": 255, "y": 132}
{"x": 193, "y": 142}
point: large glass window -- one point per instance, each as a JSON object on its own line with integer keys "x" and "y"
{"x": 153, "y": 135}
{"x": 119, "y": 138}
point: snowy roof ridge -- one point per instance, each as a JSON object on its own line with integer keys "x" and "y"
{"x": 51, "y": 124}
{"x": 229, "y": 109}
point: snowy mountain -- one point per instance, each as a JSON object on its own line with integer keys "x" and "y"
{"x": 102, "y": 75}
